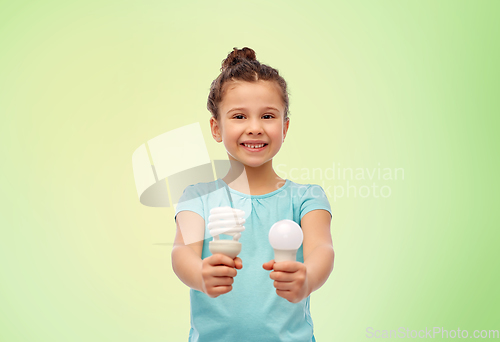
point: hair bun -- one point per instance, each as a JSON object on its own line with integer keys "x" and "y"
{"x": 237, "y": 56}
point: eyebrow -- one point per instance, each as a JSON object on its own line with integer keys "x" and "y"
{"x": 243, "y": 108}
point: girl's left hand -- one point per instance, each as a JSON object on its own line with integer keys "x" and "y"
{"x": 290, "y": 279}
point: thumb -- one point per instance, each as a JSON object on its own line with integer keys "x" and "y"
{"x": 238, "y": 263}
{"x": 268, "y": 265}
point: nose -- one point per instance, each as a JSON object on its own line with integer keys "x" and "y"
{"x": 254, "y": 127}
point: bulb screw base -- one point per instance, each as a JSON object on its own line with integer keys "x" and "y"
{"x": 230, "y": 248}
{"x": 285, "y": 255}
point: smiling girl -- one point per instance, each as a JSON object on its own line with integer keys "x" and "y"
{"x": 266, "y": 300}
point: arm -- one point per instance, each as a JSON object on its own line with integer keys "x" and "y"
{"x": 186, "y": 259}
{"x": 317, "y": 248}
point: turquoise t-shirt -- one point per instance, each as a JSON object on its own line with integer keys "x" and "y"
{"x": 252, "y": 311}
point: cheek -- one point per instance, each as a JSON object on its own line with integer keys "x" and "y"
{"x": 230, "y": 137}
{"x": 278, "y": 133}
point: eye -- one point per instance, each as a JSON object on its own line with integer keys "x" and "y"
{"x": 238, "y": 116}
{"x": 267, "y": 116}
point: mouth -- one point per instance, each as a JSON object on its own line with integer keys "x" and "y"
{"x": 254, "y": 147}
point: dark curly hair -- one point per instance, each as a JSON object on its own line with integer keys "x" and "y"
{"x": 243, "y": 65}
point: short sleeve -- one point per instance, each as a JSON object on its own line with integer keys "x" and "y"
{"x": 314, "y": 198}
{"x": 190, "y": 201}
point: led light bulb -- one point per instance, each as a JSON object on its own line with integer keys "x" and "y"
{"x": 285, "y": 237}
{"x": 227, "y": 221}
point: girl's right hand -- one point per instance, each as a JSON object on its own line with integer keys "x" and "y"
{"x": 217, "y": 273}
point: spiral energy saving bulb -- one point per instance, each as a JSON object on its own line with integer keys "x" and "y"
{"x": 285, "y": 237}
{"x": 228, "y": 221}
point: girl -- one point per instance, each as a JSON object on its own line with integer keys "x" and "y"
{"x": 265, "y": 300}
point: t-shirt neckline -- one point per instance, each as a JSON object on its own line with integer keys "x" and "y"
{"x": 272, "y": 193}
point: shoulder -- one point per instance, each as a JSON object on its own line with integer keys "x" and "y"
{"x": 309, "y": 197}
{"x": 195, "y": 197}
{"x": 195, "y": 194}
{"x": 306, "y": 190}
{"x": 200, "y": 189}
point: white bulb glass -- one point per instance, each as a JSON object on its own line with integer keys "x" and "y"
{"x": 285, "y": 237}
{"x": 227, "y": 221}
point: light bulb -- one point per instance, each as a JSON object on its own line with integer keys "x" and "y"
{"x": 227, "y": 221}
{"x": 285, "y": 237}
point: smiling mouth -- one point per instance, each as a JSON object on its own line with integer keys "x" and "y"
{"x": 254, "y": 146}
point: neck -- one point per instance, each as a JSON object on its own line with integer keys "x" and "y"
{"x": 253, "y": 180}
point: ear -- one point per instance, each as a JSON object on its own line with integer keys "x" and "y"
{"x": 285, "y": 127}
{"x": 215, "y": 128}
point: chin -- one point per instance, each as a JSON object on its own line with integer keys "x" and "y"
{"x": 256, "y": 164}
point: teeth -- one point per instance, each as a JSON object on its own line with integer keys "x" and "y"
{"x": 254, "y": 145}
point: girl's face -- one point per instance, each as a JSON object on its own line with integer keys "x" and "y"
{"x": 251, "y": 122}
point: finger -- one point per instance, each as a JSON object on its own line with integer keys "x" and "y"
{"x": 238, "y": 263}
{"x": 283, "y": 293}
{"x": 288, "y": 266}
{"x": 223, "y": 281}
{"x": 224, "y": 271}
{"x": 218, "y": 290}
{"x": 218, "y": 281}
{"x": 282, "y": 276}
{"x": 268, "y": 265}
{"x": 221, "y": 259}
{"x": 283, "y": 285}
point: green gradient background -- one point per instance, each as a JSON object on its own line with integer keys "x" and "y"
{"x": 410, "y": 85}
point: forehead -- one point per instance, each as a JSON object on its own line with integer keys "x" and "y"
{"x": 252, "y": 94}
